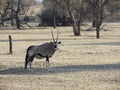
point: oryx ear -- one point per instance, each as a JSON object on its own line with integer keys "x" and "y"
{"x": 59, "y": 42}
{"x": 51, "y": 42}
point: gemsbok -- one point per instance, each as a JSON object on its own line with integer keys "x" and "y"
{"x": 45, "y": 50}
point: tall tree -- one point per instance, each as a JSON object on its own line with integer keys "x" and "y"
{"x": 113, "y": 7}
{"x": 97, "y": 8}
{"x": 12, "y": 9}
{"x": 10, "y": 12}
{"x": 2, "y": 3}
{"x": 53, "y": 6}
{"x": 77, "y": 10}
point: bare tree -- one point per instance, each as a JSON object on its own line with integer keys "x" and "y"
{"x": 25, "y": 6}
{"x": 113, "y": 8}
{"x": 15, "y": 13}
{"x": 53, "y": 6}
{"x": 97, "y": 8}
{"x": 4, "y": 14}
{"x": 10, "y": 12}
{"x": 77, "y": 10}
{"x": 2, "y": 3}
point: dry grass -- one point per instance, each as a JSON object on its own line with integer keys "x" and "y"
{"x": 82, "y": 63}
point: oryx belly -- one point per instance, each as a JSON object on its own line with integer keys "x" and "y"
{"x": 39, "y": 57}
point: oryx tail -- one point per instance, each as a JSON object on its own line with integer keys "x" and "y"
{"x": 27, "y": 59}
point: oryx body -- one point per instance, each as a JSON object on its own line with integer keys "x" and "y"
{"x": 45, "y": 50}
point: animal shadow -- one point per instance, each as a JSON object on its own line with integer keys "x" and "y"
{"x": 59, "y": 69}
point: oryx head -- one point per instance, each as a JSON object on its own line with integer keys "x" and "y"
{"x": 55, "y": 42}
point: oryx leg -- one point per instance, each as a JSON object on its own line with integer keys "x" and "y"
{"x": 30, "y": 60}
{"x": 47, "y": 63}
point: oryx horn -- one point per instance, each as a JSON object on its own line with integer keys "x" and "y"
{"x": 52, "y": 35}
{"x": 57, "y": 35}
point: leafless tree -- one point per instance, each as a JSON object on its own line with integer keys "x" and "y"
{"x": 113, "y": 6}
{"x": 11, "y": 10}
{"x": 53, "y": 6}
{"x": 77, "y": 10}
{"x": 97, "y": 8}
{"x": 2, "y": 3}
{"x": 26, "y": 4}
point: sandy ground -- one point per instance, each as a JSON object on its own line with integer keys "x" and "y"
{"x": 82, "y": 63}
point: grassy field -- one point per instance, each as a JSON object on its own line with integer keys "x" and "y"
{"x": 82, "y": 63}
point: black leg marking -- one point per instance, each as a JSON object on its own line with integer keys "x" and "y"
{"x": 30, "y": 61}
{"x": 47, "y": 62}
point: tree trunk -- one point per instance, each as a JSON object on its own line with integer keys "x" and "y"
{"x": 17, "y": 22}
{"x": 79, "y": 29}
{"x": 76, "y": 30}
{"x": 98, "y": 31}
{"x": 94, "y": 23}
{"x": 54, "y": 22}
{"x": 12, "y": 13}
